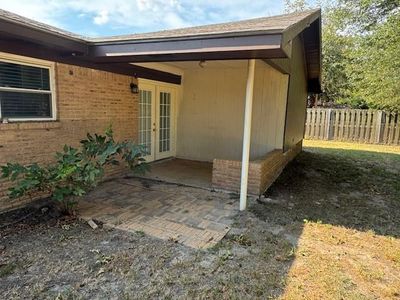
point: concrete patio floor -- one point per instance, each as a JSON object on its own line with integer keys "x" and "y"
{"x": 194, "y": 217}
{"x": 182, "y": 171}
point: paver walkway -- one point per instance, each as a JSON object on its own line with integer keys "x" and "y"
{"x": 194, "y": 217}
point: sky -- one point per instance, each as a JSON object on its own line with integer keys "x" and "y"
{"x": 113, "y": 17}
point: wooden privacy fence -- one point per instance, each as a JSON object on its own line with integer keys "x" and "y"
{"x": 354, "y": 125}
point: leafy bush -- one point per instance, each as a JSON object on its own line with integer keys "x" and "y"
{"x": 76, "y": 171}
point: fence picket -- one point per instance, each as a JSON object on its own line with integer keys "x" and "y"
{"x": 397, "y": 133}
{"x": 391, "y": 128}
{"x": 371, "y": 127}
{"x": 386, "y": 130}
{"x": 355, "y": 125}
{"x": 323, "y": 124}
{"x": 317, "y": 122}
{"x": 363, "y": 121}
{"x": 351, "y": 125}
{"x": 336, "y": 131}
{"x": 312, "y": 126}
{"x": 308, "y": 126}
{"x": 368, "y": 129}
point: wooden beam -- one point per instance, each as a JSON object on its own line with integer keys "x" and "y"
{"x": 280, "y": 64}
{"x": 38, "y": 51}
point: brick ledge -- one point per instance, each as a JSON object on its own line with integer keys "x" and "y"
{"x": 28, "y": 125}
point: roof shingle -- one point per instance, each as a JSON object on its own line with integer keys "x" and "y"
{"x": 273, "y": 24}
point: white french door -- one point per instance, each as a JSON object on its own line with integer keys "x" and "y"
{"x": 157, "y": 119}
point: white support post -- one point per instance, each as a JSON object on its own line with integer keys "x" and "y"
{"x": 247, "y": 134}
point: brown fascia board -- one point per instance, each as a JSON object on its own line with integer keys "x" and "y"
{"x": 221, "y": 47}
{"x": 22, "y": 31}
{"x": 294, "y": 30}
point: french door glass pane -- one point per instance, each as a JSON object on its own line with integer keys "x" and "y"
{"x": 145, "y": 120}
{"x": 165, "y": 121}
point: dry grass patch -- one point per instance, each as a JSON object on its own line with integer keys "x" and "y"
{"x": 334, "y": 262}
{"x": 352, "y": 146}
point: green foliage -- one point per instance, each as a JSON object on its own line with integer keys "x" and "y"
{"x": 360, "y": 51}
{"x": 376, "y": 64}
{"x": 335, "y": 48}
{"x": 295, "y": 5}
{"x": 76, "y": 171}
{"x": 363, "y": 38}
{"x": 361, "y": 16}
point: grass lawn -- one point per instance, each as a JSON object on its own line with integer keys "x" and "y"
{"x": 329, "y": 228}
{"x": 349, "y": 247}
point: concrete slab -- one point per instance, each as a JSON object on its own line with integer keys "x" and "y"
{"x": 182, "y": 171}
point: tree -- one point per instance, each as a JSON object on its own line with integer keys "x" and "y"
{"x": 335, "y": 57}
{"x": 335, "y": 49}
{"x": 295, "y": 5}
{"x": 374, "y": 61}
{"x": 360, "y": 51}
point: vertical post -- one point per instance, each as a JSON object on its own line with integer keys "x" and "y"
{"x": 378, "y": 127}
{"x": 328, "y": 124}
{"x": 247, "y": 134}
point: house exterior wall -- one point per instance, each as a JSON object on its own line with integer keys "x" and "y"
{"x": 87, "y": 101}
{"x": 269, "y": 107}
{"x": 297, "y": 97}
{"x": 210, "y": 113}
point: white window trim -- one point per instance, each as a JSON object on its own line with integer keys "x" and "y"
{"x": 33, "y": 62}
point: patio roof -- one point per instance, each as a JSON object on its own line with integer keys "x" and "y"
{"x": 262, "y": 38}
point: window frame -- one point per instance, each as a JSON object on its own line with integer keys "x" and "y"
{"x": 32, "y": 62}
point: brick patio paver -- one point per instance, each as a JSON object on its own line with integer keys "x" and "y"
{"x": 194, "y": 217}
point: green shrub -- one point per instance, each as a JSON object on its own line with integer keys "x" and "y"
{"x": 76, "y": 171}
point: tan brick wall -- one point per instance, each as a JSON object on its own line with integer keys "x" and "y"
{"x": 87, "y": 101}
{"x": 262, "y": 173}
{"x": 226, "y": 175}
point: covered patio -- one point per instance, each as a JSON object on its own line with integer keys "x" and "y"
{"x": 218, "y": 128}
{"x": 235, "y": 118}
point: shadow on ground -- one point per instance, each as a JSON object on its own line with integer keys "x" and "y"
{"x": 341, "y": 211}
{"x": 356, "y": 189}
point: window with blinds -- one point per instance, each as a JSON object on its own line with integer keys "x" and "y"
{"x": 25, "y": 91}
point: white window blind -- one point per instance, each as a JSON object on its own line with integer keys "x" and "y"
{"x": 25, "y": 91}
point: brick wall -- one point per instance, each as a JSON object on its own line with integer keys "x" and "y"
{"x": 87, "y": 101}
{"x": 262, "y": 172}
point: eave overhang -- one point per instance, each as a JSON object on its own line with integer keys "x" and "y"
{"x": 206, "y": 47}
{"x": 118, "y": 55}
